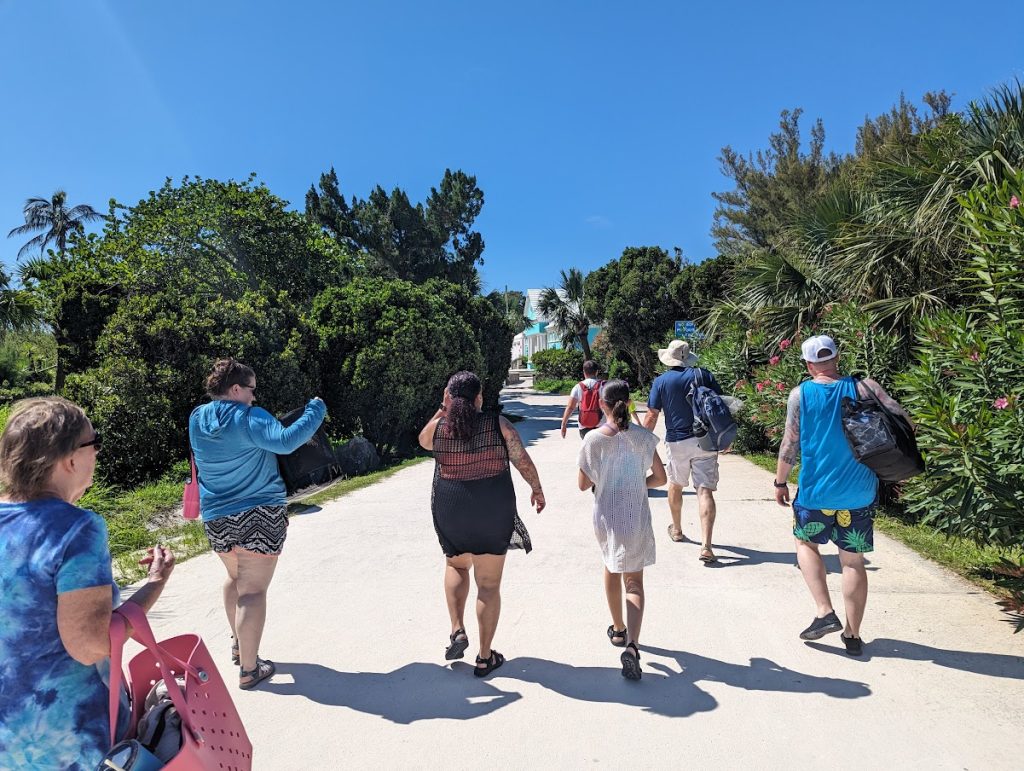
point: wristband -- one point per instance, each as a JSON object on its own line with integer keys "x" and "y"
{"x": 780, "y": 486}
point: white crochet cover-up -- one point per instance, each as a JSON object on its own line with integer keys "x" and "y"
{"x": 618, "y": 466}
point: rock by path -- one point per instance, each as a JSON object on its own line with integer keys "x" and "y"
{"x": 357, "y": 626}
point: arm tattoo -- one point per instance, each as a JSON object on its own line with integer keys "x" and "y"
{"x": 789, "y": 449}
{"x": 518, "y": 456}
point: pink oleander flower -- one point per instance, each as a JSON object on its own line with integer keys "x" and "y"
{"x": 1001, "y": 403}
{"x": 759, "y": 387}
{"x": 784, "y": 345}
{"x": 1014, "y": 202}
{"x": 773, "y": 360}
{"x": 975, "y": 356}
{"x": 780, "y": 386}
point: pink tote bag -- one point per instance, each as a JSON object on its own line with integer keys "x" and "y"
{"x": 214, "y": 738}
{"x": 190, "y": 497}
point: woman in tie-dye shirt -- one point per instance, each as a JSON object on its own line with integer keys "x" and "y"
{"x": 56, "y": 592}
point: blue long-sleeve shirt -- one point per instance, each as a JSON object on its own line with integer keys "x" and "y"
{"x": 236, "y": 448}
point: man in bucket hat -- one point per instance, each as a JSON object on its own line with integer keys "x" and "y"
{"x": 836, "y": 495}
{"x": 686, "y": 459}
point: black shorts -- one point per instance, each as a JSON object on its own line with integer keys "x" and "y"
{"x": 261, "y": 529}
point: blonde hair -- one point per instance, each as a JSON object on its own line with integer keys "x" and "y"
{"x": 39, "y": 432}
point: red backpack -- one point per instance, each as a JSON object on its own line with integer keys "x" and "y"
{"x": 590, "y": 404}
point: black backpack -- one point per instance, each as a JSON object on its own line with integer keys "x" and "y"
{"x": 713, "y": 424}
{"x": 314, "y": 463}
{"x": 882, "y": 441}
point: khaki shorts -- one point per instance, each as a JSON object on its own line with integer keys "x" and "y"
{"x": 685, "y": 458}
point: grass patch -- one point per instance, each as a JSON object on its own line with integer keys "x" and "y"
{"x": 965, "y": 558}
{"x": 345, "y": 486}
{"x": 137, "y": 519}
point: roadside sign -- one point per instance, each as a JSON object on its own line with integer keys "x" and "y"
{"x": 686, "y": 329}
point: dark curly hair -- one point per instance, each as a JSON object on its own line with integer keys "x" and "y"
{"x": 226, "y": 373}
{"x": 616, "y": 395}
{"x": 463, "y": 387}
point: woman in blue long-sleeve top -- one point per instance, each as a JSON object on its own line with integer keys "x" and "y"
{"x": 242, "y": 498}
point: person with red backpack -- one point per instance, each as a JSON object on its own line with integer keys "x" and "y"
{"x": 586, "y": 395}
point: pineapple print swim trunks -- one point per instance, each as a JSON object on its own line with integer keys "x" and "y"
{"x": 849, "y": 529}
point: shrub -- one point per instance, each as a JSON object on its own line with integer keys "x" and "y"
{"x": 966, "y": 392}
{"x": 558, "y": 364}
{"x": 388, "y": 347}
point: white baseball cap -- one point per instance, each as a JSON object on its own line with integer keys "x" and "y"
{"x": 818, "y": 349}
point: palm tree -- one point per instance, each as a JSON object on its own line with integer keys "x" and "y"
{"x": 18, "y": 309}
{"x": 564, "y": 308}
{"x": 55, "y": 220}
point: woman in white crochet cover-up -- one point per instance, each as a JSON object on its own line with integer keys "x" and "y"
{"x": 614, "y": 461}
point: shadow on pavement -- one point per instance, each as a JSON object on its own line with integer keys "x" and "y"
{"x": 735, "y": 556}
{"x": 541, "y": 419}
{"x": 991, "y": 664}
{"x": 664, "y": 691}
{"x": 417, "y": 691}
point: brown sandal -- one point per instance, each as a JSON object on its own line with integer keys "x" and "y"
{"x": 707, "y": 556}
{"x": 259, "y": 673}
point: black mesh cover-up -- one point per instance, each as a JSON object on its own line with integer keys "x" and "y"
{"x": 473, "y": 501}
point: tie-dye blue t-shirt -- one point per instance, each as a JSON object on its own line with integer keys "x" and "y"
{"x": 53, "y": 710}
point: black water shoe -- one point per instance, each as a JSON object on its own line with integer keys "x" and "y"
{"x": 821, "y": 627}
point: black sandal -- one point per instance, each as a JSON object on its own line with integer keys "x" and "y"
{"x": 613, "y": 633}
{"x": 494, "y": 661}
{"x": 631, "y": 663}
{"x": 457, "y": 647}
{"x": 261, "y": 672}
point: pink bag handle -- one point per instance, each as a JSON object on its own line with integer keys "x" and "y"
{"x": 141, "y": 631}
{"x": 192, "y": 461}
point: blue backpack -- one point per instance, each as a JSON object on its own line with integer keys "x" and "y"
{"x": 713, "y": 424}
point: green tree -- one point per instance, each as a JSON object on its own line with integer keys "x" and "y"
{"x": 388, "y": 349}
{"x": 633, "y": 297}
{"x": 564, "y": 307}
{"x": 55, "y": 219}
{"x": 397, "y": 239}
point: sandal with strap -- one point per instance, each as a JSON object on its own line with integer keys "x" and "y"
{"x": 492, "y": 662}
{"x": 236, "y": 659}
{"x": 259, "y": 673}
{"x": 457, "y": 647}
{"x": 620, "y": 633}
{"x": 631, "y": 663}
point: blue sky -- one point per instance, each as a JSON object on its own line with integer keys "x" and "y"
{"x": 591, "y": 126}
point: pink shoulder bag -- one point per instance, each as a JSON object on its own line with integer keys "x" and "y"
{"x": 190, "y": 497}
{"x": 213, "y": 737}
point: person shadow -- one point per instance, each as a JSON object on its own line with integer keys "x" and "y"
{"x": 738, "y": 556}
{"x": 417, "y": 691}
{"x": 979, "y": 663}
{"x": 665, "y": 691}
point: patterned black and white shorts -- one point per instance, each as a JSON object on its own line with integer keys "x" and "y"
{"x": 261, "y": 529}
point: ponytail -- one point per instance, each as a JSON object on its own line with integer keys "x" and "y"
{"x": 463, "y": 387}
{"x": 616, "y": 395}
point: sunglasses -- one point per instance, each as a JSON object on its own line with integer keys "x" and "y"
{"x": 251, "y": 388}
{"x": 96, "y": 442}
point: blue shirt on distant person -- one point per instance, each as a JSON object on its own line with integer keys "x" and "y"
{"x": 53, "y": 709}
{"x": 669, "y": 395}
{"x": 236, "y": 448}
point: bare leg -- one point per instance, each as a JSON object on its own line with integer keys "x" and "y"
{"x": 855, "y": 590}
{"x": 613, "y": 592}
{"x": 255, "y": 572}
{"x": 812, "y": 566}
{"x": 634, "y": 605}
{"x": 230, "y": 587}
{"x": 675, "y": 505}
{"x": 487, "y": 569}
{"x": 706, "y": 504}
{"x": 456, "y": 588}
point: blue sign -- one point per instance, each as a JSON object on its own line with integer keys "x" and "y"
{"x": 686, "y": 329}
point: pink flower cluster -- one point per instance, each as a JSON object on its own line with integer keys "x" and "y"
{"x": 767, "y": 383}
{"x": 773, "y": 360}
{"x": 1014, "y": 202}
{"x": 784, "y": 345}
{"x": 1001, "y": 403}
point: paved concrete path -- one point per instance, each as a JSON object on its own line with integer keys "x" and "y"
{"x": 358, "y": 625}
